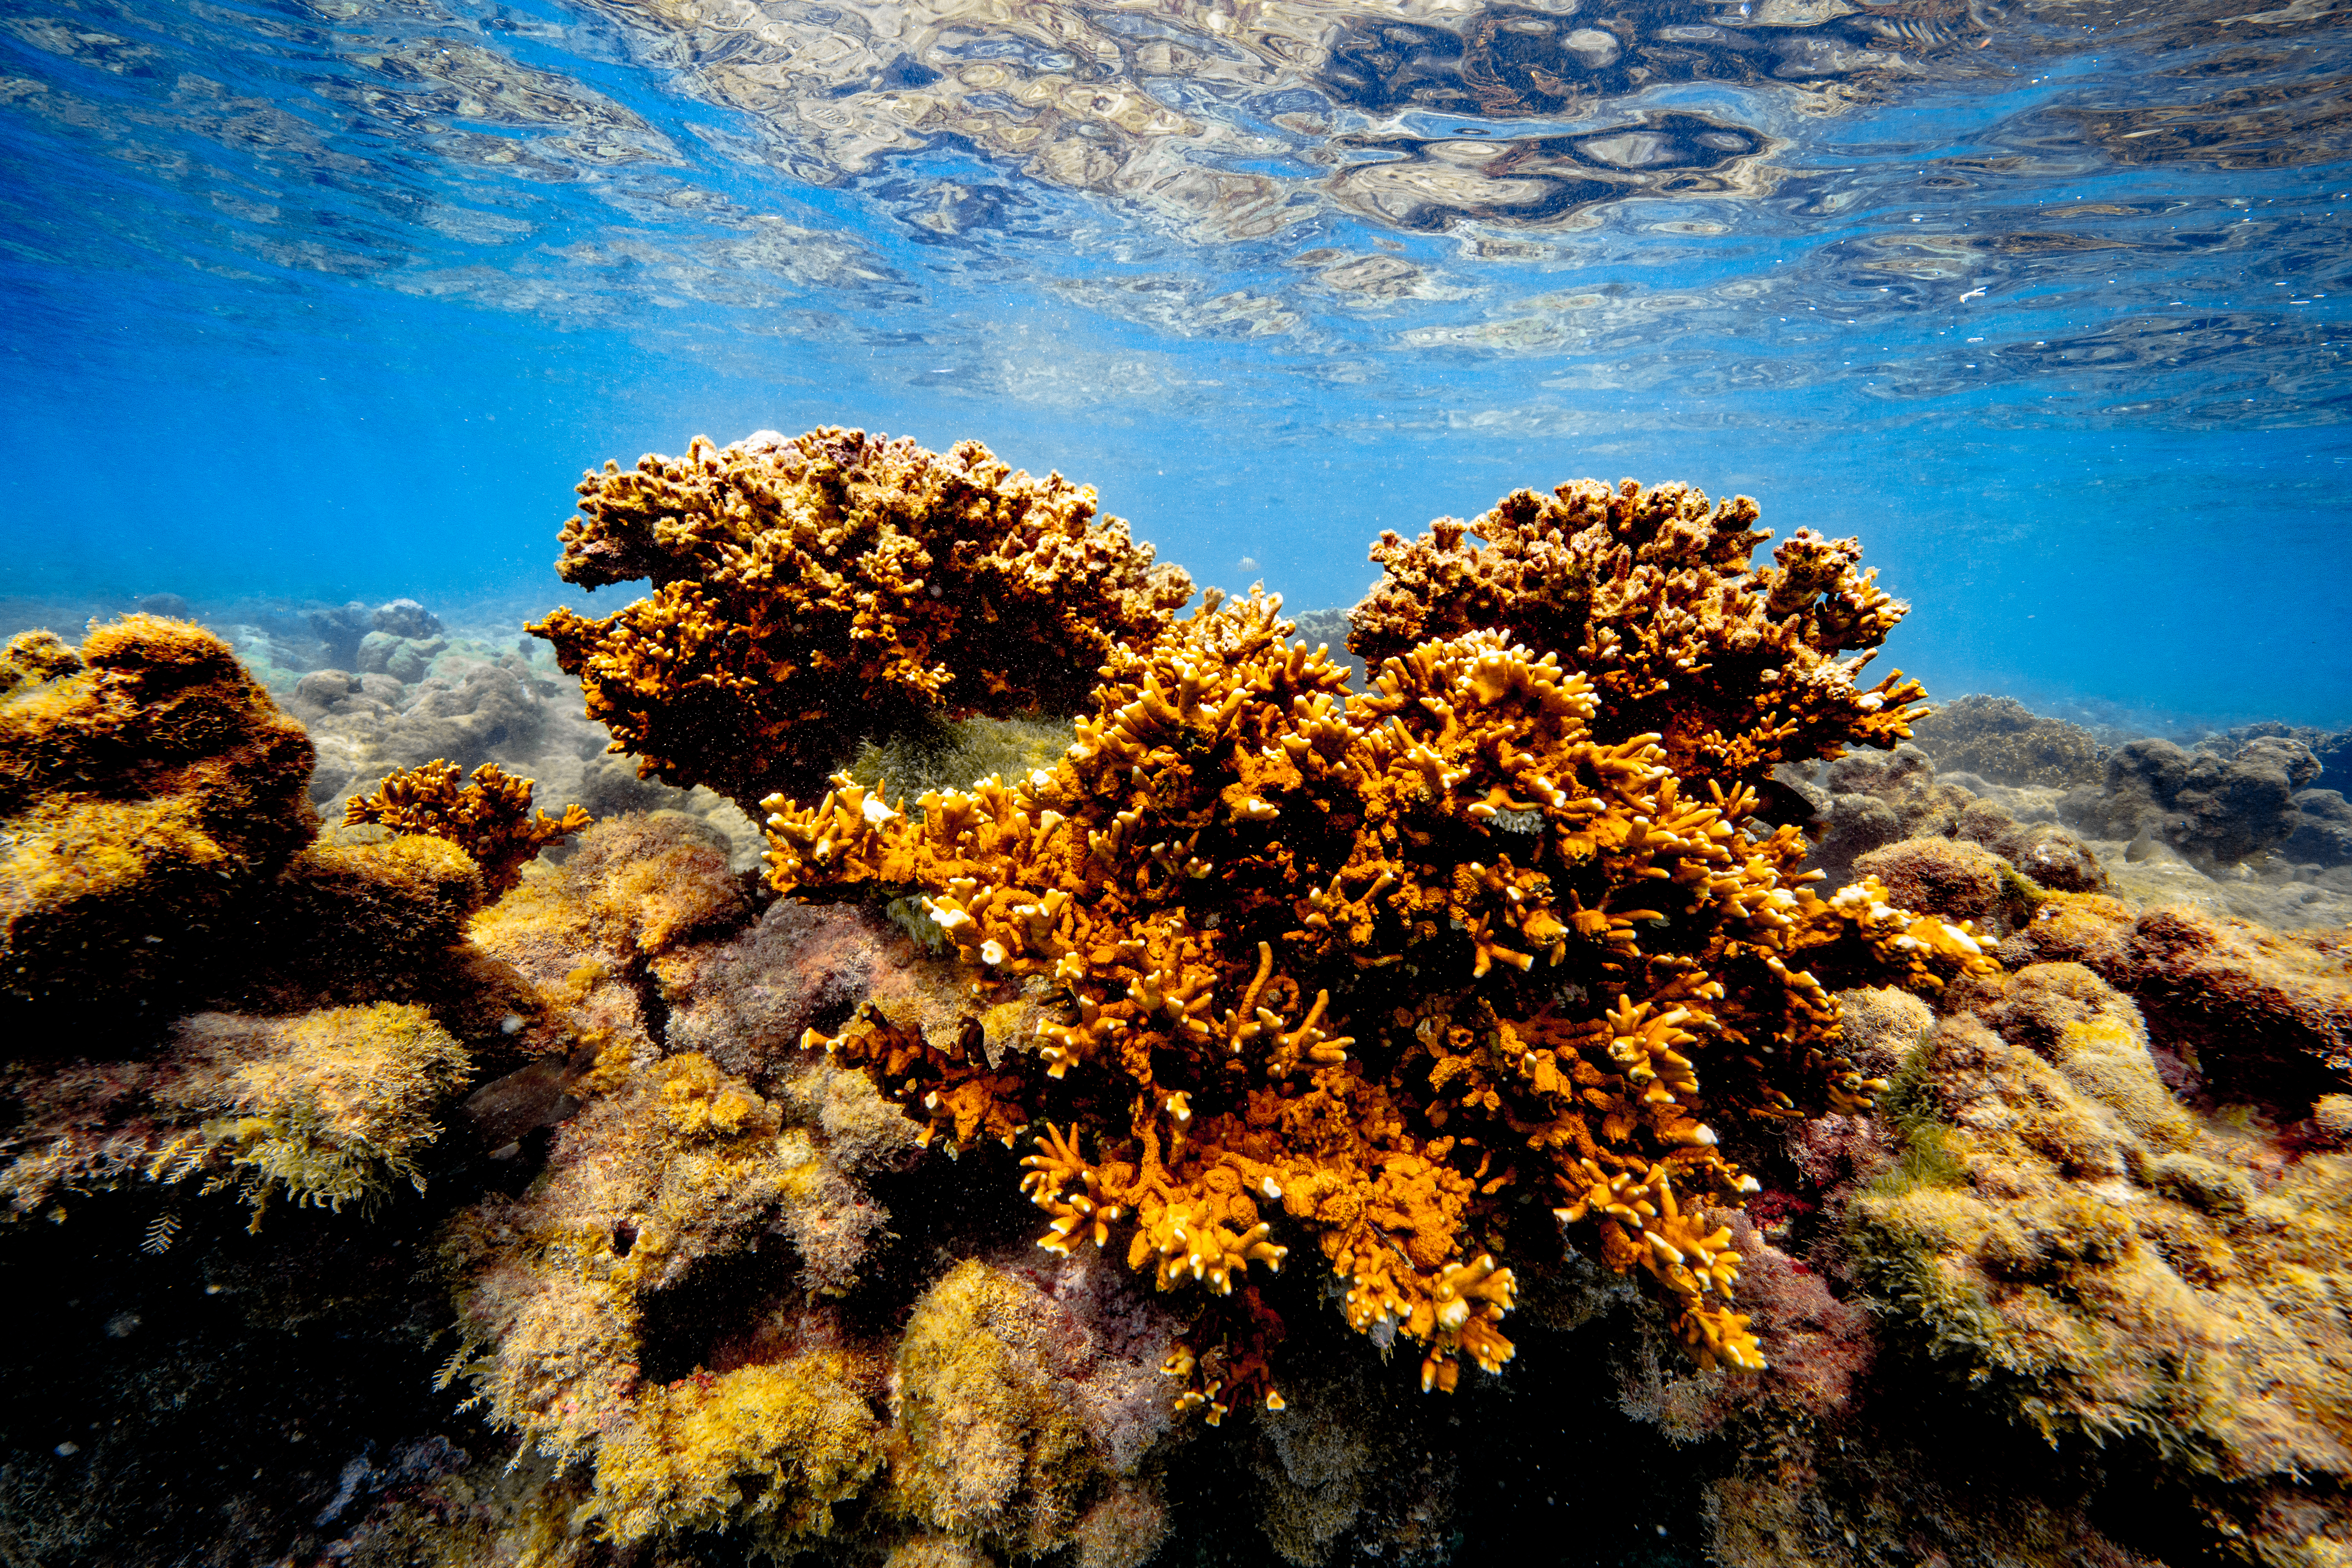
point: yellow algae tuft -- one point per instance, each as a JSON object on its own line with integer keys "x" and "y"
{"x": 674, "y": 1165}
{"x": 779, "y": 1444}
{"x": 983, "y": 1442}
{"x": 328, "y": 1107}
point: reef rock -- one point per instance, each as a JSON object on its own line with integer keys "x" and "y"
{"x": 2210, "y": 807}
{"x": 149, "y": 791}
{"x": 2003, "y": 739}
{"x": 2076, "y": 1248}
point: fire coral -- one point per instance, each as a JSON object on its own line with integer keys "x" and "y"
{"x": 488, "y": 818}
{"x": 1650, "y": 594}
{"x": 808, "y": 592}
{"x": 1370, "y": 970}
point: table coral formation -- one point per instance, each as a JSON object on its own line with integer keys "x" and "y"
{"x": 1650, "y": 594}
{"x": 809, "y": 593}
{"x": 148, "y": 789}
{"x": 1538, "y": 941}
{"x": 489, "y": 817}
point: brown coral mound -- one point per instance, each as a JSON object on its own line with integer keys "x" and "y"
{"x": 490, "y": 818}
{"x": 1534, "y": 943}
{"x": 1948, "y": 877}
{"x": 812, "y": 592}
{"x": 2259, "y": 1013}
{"x": 148, "y": 786}
{"x": 1651, "y": 595}
{"x": 2099, "y": 1264}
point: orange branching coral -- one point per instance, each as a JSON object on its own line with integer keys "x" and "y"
{"x": 1370, "y": 970}
{"x": 1650, "y": 594}
{"x": 810, "y": 592}
{"x": 488, "y": 818}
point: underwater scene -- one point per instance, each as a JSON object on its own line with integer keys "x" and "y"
{"x": 1195, "y": 782}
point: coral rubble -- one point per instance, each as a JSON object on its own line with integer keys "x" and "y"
{"x": 1535, "y": 943}
{"x": 809, "y": 593}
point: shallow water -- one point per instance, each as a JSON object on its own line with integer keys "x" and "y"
{"x": 2043, "y": 301}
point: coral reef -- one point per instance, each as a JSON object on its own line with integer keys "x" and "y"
{"x": 2210, "y": 807}
{"x": 148, "y": 790}
{"x": 2003, "y": 739}
{"x": 489, "y": 817}
{"x": 2092, "y": 1260}
{"x": 809, "y": 593}
{"x": 2323, "y": 830}
{"x": 2246, "y": 1013}
{"x": 1651, "y": 595}
{"x": 1420, "y": 967}
{"x": 1226, "y": 828}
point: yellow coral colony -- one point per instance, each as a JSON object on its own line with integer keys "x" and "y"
{"x": 1650, "y": 594}
{"x": 1368, "y": 971}
{"x": 489, "y": 819}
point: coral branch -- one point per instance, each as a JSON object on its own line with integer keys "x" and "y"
{"x": 812, "y": 592}
{"x": 1650, "y": 594}
{"x": 488, "y": 818}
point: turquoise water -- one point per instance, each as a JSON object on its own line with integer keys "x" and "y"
{"x": 2045, "y": 301}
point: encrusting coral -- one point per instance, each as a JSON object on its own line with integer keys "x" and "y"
{"x": 1380, "y": 967}
{"x": 809, "y": 593}
{"x": 148, "y": 789}
{"x": 489, "y": 817}
{"x": 1650, "y": 595}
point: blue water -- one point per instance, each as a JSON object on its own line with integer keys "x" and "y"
{"x": 2046, "y": 302}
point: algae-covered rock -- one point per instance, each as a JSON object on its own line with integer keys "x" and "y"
{"x": 777, "y": 1445}
{"x": 985, "y": 1441}
{"x": 149, "y": 790}
{"x": 2088, "y": 1258}
{"x": 2004, "y": 741}
{"x": 329, "y": 1107}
